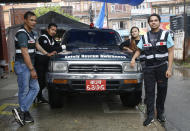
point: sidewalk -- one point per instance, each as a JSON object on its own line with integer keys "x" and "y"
{"x": 8, "y": 86}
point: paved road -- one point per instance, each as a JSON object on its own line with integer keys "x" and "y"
{"x": 178, "y": 101}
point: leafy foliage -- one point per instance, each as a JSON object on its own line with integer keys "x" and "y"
{"x": 43, "y": 10}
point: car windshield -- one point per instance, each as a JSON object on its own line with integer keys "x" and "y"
{"x": 91, "y": 38}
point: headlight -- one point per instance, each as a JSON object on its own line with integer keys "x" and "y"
{"x": 60, "y": 66}
{"x": 128, "y": 68}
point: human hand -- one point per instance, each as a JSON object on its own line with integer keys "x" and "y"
{"x": 52, "y": 53}
{"x": 168, "y": 73}
{"x": 33, "y": 74}
{"x": 132, "y": 64}
{"x": 128, "y": 49}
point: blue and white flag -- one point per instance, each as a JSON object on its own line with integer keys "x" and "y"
{"x": 100, "y": 19}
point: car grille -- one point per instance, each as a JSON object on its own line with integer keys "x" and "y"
{"x": 95, "y": 69}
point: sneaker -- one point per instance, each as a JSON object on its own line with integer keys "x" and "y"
{"x": 42, "y": 100}
{"x": 19, "y": 116}
{"x": 28, "y": 118}
{"x": 161, "y": 118}
{"x": 35, "y": 101}
{"x": 148, "y": 121}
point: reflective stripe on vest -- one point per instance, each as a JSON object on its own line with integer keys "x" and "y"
{"x": 39, "y": 53}
{"x": 146, "y": 38}
{"x": 29, "y": 51}
{"x": 163, "y": 35}
{"x": 160, "y": 43}
{"x": 142, "y": 56}
{"x": 51, "y": 43}
{"x": 147, "y": 45}
{"x": 156, "y": 55}
{"x": 26, "y": 33}
{"x": 161, "y": 55}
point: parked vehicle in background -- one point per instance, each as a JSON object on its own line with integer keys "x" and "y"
{"x": 124, "y": 34}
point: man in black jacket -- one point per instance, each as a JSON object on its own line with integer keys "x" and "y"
{"x": 49, "y": 44}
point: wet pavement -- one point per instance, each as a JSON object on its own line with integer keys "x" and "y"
{"x": 81, "y": 113}
{"x": 98, "y": 112}
{"x": 178, "y": 100}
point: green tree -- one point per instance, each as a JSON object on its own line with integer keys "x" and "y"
{"x": 43, "y": 10}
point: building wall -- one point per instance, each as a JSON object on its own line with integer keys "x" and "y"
{"x": 13, "y": 14}
{"x": 11, "y": 9}
{"x": 3, "y": 44}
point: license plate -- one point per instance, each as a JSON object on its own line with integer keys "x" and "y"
{"x": 95, "y": 85}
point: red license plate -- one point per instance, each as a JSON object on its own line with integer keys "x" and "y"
{"x": 95, "y": 85}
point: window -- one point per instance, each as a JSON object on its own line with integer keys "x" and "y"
{"x": 159, "y": 10}
{"x": 176, "y": 10}
{"x": 154, "y": 10}
{"x": 142, "y": 25}
{"x": 85, "y": 6}
{"x": 121, "y": 25}
{"x": 171, "y": 10}
{"x": 165, "y": 10}
{"x": 78, "y": 7}
{"x": 112, "y": 8}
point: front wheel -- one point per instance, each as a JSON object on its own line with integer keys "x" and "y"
{"x": 131, "y": 99}
{"x": 55, "y": 98}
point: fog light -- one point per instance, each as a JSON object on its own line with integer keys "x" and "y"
{"x": 60, "y": 81}
{"x": 132, "y": 81}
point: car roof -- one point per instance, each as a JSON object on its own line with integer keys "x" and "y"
{"x": 104, "y": 30}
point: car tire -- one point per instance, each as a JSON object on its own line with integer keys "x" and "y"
{"x": 131, "y": 99}
{"x": 55, "y": 98}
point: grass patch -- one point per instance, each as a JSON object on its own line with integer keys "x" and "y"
{"x": 185, "y": 64}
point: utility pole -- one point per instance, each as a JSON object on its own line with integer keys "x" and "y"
{"x": 184, "y": 16}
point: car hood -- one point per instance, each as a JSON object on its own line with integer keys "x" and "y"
{"x": 93, "y": 54}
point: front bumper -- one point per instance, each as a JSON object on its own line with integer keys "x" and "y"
{"x": 77, "y": 82}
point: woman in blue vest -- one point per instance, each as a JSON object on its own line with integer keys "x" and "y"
{"x": 156, "y": 50}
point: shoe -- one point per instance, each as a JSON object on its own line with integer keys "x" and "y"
{"x": 28, "y": 118}
{"x": 42, "y": 100}
{"x": 148, "y": 121}
{"x": 35, "y": 101}
{"x": 19, "y": 116}
{"x": 161, "y": 118}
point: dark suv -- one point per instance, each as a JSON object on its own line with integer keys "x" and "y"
{"x": 93, "y": 63}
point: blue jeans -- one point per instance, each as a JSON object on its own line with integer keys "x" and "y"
{"x": 28, "y": 87}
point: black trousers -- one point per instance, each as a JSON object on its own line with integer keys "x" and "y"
{"x": 153, "y": 77}
{"x": 41, "y": 66}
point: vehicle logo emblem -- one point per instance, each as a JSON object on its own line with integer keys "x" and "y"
{"x": 95, "y": 68}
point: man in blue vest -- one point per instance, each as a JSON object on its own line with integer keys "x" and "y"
{"x": 156, "y": 50}
{"x": 25, "y": 44}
